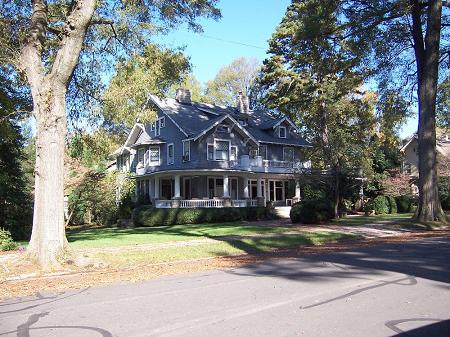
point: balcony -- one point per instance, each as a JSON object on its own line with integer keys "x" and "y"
{"x": 258, "y": 164}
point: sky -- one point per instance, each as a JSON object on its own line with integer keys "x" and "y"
{"x": 244, "y": 30}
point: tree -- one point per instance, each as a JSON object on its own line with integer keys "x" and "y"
{"x": 402, "y": 40}
{"x": 316, "y": 81}
{"x": 239, "y": 76}
{"x": 154, "y": 71}
{"x": 443, "y": 104}
{"x": 65, "y": 44}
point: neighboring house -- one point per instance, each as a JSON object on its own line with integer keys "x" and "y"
{"x": 202, "y": 155}
{"x": 410, "y": 152}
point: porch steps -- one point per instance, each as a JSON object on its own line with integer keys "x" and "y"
{"x": 282, "y": 211}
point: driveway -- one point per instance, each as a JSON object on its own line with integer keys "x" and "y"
{"x": 386, "y": 290}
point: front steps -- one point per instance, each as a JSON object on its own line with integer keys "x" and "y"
{"x": 282, "y": 211}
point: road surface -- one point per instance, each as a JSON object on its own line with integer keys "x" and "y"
{"x": 389, "y": 290}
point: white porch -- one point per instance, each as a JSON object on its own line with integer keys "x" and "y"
{"x": 216, "y": 190}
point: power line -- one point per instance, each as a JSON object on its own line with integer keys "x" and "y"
{"x": 230, "y": 41}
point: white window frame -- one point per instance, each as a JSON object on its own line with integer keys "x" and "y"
{"x": 153, "y": 126}
{"x": 229, "y": 148}
{"x": 170, "y": 161}
{"x": 157, "y": 128}
{"x": 140, "y": 151}
{"x": 279, "y": 131}
{"x": 154, "y": 163}
{"x": 188, "y": 152}
{"x": 259, "y": 151}
{"x": 207, "y": 151}
{"x": 229, "y": 154}
{"x": 162, "y": 122}
{"x": 284, "y": 153}
{"x": 226, "y": 128}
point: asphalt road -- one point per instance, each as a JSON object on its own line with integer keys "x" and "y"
{"x": 391, "y": 290}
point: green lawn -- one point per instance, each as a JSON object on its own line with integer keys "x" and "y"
{"x": 403, "y": 220}
{"x": 112, "y": 237}
{"x": 221, "y": 248}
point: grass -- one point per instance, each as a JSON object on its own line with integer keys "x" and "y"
{"x": 223, "y": 248}
{"x": 399, "y": 220}
{"x": 113, "y": 237}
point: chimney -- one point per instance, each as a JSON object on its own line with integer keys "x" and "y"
{"x": 242, "y": 103}
{"x": 183, "y": 96}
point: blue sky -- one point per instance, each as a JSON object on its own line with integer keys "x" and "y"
{"x": 243, "y": 30}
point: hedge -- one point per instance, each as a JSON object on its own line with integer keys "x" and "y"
{"x": 446, "y": 203}
{"x": 149, "y": 216}
{"x": 312, "y": 211}
{"x": 392, "y": 204}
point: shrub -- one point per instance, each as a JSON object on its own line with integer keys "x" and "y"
{"x": 369, "y": 207}
{"x": 149, "y": 216}
{"x": 6, "y": 241}
{"x": 381, "y": 205}
{"x": 404, "y": 204}
{"x": 311, "y": 211}
{"x": 446, "y": 203}
{"x": 392, "y": 205}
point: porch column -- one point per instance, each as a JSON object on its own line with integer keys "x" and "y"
{"x": 246, "y": 194}
{"x": 259, "y": 188}
{"x": 297, "y": 190}
{"x": 260, "y": 198}
{"x": 177, "y": 187}
{"x": 226, "y": 192}
{"x": 151, "y": 190}
{"x": 156, "y": 187}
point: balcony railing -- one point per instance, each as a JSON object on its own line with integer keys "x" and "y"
{"x": 203, "y": 203}
{"x": 258, "y": 164}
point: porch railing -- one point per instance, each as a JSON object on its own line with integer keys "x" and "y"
{"x": 209, "y": 203}
{"x": 163, "y": 203}
{"x": 239, "y": 203}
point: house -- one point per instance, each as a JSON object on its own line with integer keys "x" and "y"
{"x": 202, "y": 155}
{"x": 410, "y": 152}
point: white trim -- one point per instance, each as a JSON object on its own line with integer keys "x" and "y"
{"x": 207, "y": 152}
{"x": 279, "y": 132}
{"x": 237, "y": 149}
{"x": 173, "y": 154}
{"x": 286, "y": 144}
{"x": 285, "y": 118}
{"x": 229, "y": 148}
{"x": 407, "y": 144}
{"x": 163, "y": 118}
{"x": 219, "y": 122}
{"x": 156, "y": 100}
{"x": 137, "y": 125}
{"x": 154, "y": 163}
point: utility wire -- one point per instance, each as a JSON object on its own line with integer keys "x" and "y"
{"x": 230, "y": 41}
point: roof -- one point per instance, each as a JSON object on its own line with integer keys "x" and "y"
{"x": 193, "y": 119}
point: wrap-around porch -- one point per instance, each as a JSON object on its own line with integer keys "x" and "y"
{"x": 211, "y": 190}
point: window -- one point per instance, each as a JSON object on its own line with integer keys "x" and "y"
{"x": 263, "y": 151}
{"x": 222, "y": 148}
{"x": 154, "y": 155}
{"x": 140, "y": 156}
{"x": 210, "y": 152}
{"x": 233, "y": 153}
{"x": 282, "y": 132}
{"x": 162, "y": 122}
{"x": 288, "y": 154}
{"x": 186, "y": 150}
{"x": 152, "y": 126}
{"x": 157, "y": 128}
{"x": 253, "y": 152}
{"x": 170, "y": 154}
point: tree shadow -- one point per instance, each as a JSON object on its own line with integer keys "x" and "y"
{"x": 439, "y": 328}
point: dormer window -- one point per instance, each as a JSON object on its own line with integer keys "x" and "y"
{"x": 162, "y": 122}
{"x": 282, "y": 132}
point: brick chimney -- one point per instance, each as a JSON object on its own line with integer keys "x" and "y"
{"x": 183, "y": 96}
{"x": 242, "y": 103}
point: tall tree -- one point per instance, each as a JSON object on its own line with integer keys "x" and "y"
{"x": 65, "y": 44}
{"x": 154, "y": 71}
{"x": 239, "y": 76}
{"x": 316, "y": 81}
{"x": 402, "y": 39}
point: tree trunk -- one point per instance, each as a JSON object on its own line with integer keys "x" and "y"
{"x": 48, "y": 90}
{"x": 48, "y": 240}
{"x": 336, "y": 192}
{"x": 427, "y": 59}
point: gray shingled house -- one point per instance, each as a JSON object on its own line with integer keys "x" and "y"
{"x": 200, "y": 155}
